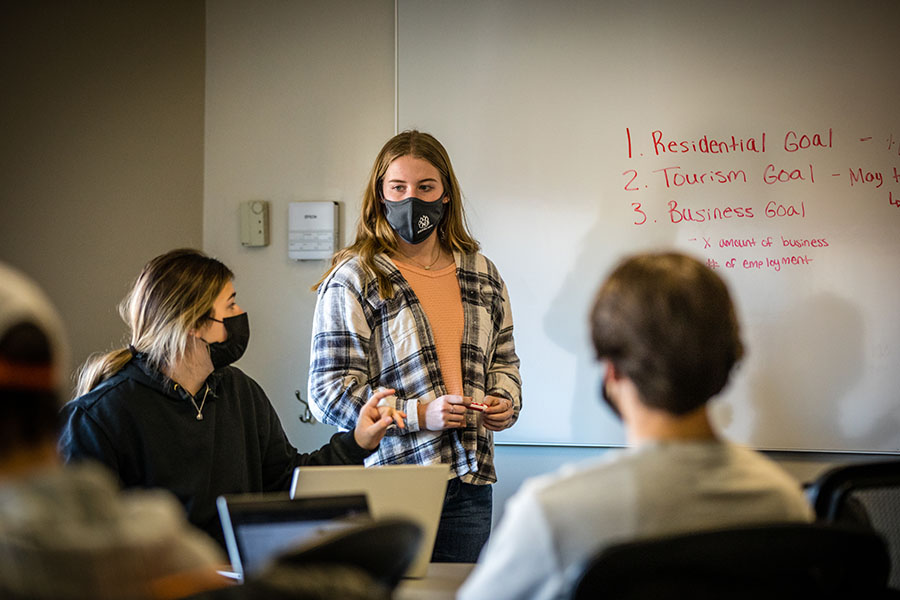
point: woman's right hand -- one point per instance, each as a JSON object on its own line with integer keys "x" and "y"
{"x": 446, "y": 412}
{"x": 373, "y": 422}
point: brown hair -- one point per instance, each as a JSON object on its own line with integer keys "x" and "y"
{"x": 173, "y": 295}
{"x": 667, "y": 322}
{"x": 374, "y": 234}
{"x": 29, "y": 399}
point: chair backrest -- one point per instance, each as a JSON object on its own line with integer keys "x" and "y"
{"x": 365, "y": 562}
{"x": 382, "y": 549}
{"x": 866, "y": 494}
{"x": 766, "y": 561}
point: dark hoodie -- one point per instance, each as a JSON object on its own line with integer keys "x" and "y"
{"x": 145, "y": 428}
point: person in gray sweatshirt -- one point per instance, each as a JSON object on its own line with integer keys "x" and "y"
{"x": 67, "y": 532}
{"x": 666, "y": 329}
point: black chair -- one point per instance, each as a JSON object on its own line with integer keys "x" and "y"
{"x": 778, "y": 561}
{"x": 383, "y": 549}
{"x": 360, "y": 563}
{"x": 864, "y": 494}
{"x": 314, "y": 582}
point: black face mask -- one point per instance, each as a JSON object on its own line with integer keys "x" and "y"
{"x": 414, "y": 219}
{"x": 224, "y": 353}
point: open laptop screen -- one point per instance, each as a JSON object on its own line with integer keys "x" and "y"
{"x": 258, "y": 528}
{"x": 413, "y": 492}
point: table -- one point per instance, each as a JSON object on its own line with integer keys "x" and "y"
{"x": 441, "y": 582}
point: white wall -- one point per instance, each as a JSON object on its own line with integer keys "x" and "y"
{"x": 299, "y": 99}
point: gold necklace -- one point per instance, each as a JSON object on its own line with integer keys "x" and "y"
{"x": 202, "y": 402}
{"x": 428, "y": 267}
{"x": 199, "y": 409}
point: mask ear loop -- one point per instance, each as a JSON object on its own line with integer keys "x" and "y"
{"x": 445, "y": 218}
{"x": 196, "y": 331}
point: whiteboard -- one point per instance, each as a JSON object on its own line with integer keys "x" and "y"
{"x": 761, "y": 137}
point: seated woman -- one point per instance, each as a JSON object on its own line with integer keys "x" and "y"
{"x": 168, "y": 411}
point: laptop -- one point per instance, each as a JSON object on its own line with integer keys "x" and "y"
{"x": 259, "y": 527}
{"x": 414, "y": 492}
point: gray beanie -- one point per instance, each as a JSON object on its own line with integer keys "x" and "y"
{"x": 21, "y": 300}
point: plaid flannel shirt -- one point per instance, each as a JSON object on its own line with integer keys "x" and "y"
{"x": 361, "y": 343}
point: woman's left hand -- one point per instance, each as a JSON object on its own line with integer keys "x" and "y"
{"x": 499, "y": 413}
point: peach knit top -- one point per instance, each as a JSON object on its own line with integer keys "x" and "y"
{"x": 438, "y": 292}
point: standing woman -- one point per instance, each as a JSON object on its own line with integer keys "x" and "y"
{"x": 413, "y": 306}
{"x": 168, "y": 411}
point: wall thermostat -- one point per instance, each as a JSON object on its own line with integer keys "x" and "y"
{"x": 312, "y": 230}
{"x": 255, "y": 223}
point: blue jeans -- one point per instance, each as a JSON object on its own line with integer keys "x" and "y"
{"x": 465, "y": 522}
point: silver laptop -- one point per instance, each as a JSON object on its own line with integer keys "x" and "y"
{"x": 414, "y": 492}
{"x": 259, "y": 527}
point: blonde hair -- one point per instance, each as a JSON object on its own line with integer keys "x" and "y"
{"x": 173, "y": 295}
{"x": 374, "y": 235}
